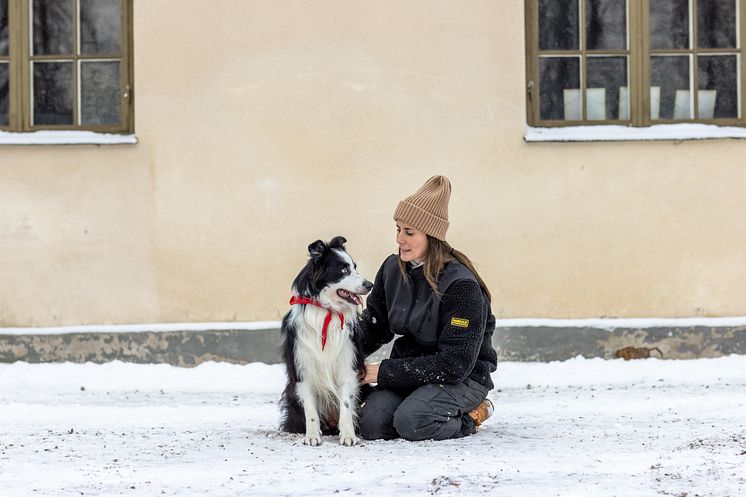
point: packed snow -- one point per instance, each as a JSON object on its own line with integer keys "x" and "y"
{"x": 612, "y": 132}
{"x": 583, "y": 427}
{"x": 65, "y": 137}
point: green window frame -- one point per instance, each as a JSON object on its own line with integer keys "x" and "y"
{"x": 635, "y": 62}
{"x": 66, "y": 65}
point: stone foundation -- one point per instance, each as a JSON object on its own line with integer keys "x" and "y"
{"x": 513, "y": 343}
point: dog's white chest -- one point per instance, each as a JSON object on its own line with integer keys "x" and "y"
{"x": 331, "y": 365}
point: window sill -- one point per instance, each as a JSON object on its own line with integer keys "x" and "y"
{"x": 65, "y": 138}
{"x": 606, "y": 133}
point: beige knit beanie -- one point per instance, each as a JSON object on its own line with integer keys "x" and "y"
{"x": 427, "y": 209}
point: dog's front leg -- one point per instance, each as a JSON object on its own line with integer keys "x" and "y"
{"x": 347, "y": 402}
{"x": 311, "y": 411}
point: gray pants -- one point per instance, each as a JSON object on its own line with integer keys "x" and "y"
{"x": 432, "y": 411}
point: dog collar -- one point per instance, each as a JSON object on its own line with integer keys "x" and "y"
{"x": 305, "y": 300}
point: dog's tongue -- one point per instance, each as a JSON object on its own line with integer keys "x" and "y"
{"x": 349, "y": 296}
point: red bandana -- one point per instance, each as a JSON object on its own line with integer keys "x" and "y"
{"x": 305, "y": 300}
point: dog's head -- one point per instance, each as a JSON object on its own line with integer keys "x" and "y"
{"x": 331, "y": 276}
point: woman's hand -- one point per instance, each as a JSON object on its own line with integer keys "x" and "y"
{"x": 371, "y": 373}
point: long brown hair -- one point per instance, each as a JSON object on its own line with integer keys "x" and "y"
{"x": 439, "y": 253}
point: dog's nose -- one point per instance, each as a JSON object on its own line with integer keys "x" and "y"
{"x": 367, "y": 285}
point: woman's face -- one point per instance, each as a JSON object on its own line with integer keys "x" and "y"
{"x": 412, "y": 243}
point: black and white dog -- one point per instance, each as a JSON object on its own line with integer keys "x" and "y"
{"x": 321, "y": 348}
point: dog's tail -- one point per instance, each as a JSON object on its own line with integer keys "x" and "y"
{"x": 293, "y": 416}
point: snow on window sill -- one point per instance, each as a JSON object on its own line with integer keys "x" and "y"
{"x": 65, "y": 138}
{"x": 676, "y": 132}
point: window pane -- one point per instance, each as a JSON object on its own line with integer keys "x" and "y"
{"x": 53, "y": 28}
{"x": 100, "y": 27}
{"x": 559, "y": 25}
{"x": 100, "y": 95}
{"x": 669, "y": 87}
{"x": 560, "y": 88}
{"x": 4, "y": 27}
{"x": 718, "y": 86}
{"x": 53, "y": 95}
{"x": 606, "y": 75}
{"x": 669, "y": 24}
{"x": 606, "y": 24}
{"x": 716, "y": 23}
{"x": 4, "y": 96}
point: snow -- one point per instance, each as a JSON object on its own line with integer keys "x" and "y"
{"x": 604, "y": 324}
{"x": 65, "y": 138}
{"x": 583, "y": 427}
{"x": 683, "y": 131}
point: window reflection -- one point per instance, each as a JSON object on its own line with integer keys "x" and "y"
{"x": 100, "y": 26}
{"x": 53, "y": 97}
{"x": 716, "y": 23}
{"x": 52, "y": 27}
{"x": 100, "y": 102}
{"x": 4, "y": 35}
{"x": 558, "y": 74}
{"x": 671, "y": 75}
{"x": 606, "y": 75}
{"x": 718, "y": 75}
{"x": 559, "y": 27}
{"x": 606, "y": 24}
{"x": 4, "y": 94}
{"x": 669, "y": 24}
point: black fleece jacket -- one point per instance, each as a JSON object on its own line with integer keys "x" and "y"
{"x": 443, "y": 339}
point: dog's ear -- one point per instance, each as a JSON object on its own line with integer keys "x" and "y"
{"x": 316, "y": 249}
{"x": 338, "y": 242}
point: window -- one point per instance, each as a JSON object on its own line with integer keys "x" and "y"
{"x": 634, "y": 62}
{"x": 66, "y": 65}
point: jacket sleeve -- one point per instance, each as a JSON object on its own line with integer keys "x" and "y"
{"x": 374, "y": 322}
{"x": 462, "y": 320}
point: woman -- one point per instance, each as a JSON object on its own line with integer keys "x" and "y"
{"x": 435, "y": 383}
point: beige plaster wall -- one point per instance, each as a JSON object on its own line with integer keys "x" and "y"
{"x": 265, "y": 125}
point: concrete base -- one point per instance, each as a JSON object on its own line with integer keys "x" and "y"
{"x": 558, "y": 344}
{"x": 513, "y": 343}
{"x": 180, "y": 348}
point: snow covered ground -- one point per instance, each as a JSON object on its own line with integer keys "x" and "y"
{"x": 574, "y": 428}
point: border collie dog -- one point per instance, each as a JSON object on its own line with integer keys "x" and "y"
{"x": 321, "y": 348}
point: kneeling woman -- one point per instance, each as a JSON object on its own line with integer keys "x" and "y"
{"x": 435, "y": 383}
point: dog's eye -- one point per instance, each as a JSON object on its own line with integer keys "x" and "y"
{"x": 345, "y": 270}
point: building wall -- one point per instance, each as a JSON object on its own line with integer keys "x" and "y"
{"x": 265, "y": 125}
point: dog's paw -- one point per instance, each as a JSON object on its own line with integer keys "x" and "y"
{"x": 312, "y": 440}
{"x": 348, "y": 440}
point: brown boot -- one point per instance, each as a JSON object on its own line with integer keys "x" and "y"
{"x": 480, "y": 414}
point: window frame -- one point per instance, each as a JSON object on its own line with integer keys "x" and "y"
{"x": 638, "y": 67}
{"x": 20, "y": 78}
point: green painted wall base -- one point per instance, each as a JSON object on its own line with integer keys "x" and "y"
{"x": 521, "y": 343}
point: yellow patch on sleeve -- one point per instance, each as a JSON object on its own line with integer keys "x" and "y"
{"x": 460, "y": 322}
